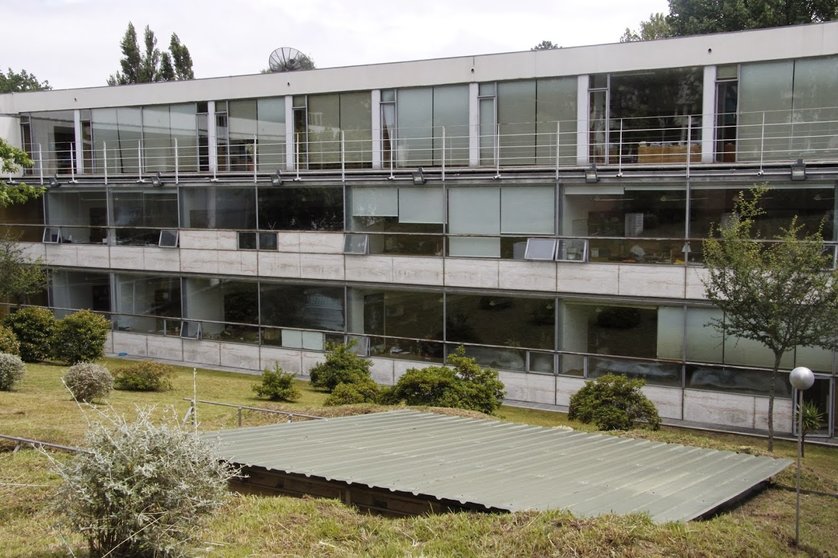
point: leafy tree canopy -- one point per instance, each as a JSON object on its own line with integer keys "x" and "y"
{"x": 698, "y": 17}
{"x": 545, "y": 45}
{"x": 17, "y": 82}
{"x": 13, "y": 192}
{"x": 150, "y": 64}
{"x": 782, "y": 293}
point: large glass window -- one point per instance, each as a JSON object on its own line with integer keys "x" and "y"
{"x": 241, "y": 136}
{"x": 139, "y": 215}
{"x": 555, "y": 103}
{"x": 217, "y": 207}
{"x": 119, "y": 130}
{"x": 147, "y": 304}
{"x": 54, "y": 132}
{"x": 301, "y": 208}
{"x": 271, "y": 133}
{"x": 401, "y": 324}
{"x": 328, "y": 116}
{"x": 815, "y": 117}
{"x": 422, "y": 113}
{"x": 81, "y": 215}
{"x": 74, "y": 290}
{"x": 303, "y": 306}
{"x": 224, "y": 307}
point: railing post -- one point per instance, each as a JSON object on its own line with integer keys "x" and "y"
{"x": 239, "y": 413}
{"x": 72, "y": 163}
{"x": 342, "y": 156}
{"x": 177, "y": 164}
{"x": 255, "y": 159}
{"x": 140, "y": 159}
{"x": 689, "y": 144}
{"x": 41, "y": 163}
{"x": 762, "y": 143}
{"x": 443, "y": 153}
{"x": 558, "y": 143}
{"x": 105, "y": 159}
{"x": 620, "y": 151}
{"x": 497, "y": 151}
{"x": 297, "y": 155}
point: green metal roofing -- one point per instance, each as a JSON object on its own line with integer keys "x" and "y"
{"x": 503, "y": 465}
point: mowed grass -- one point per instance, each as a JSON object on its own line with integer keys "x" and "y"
{"x": 278, "y": 526}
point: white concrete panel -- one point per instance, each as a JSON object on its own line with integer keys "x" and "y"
{"x": 417, "y": 271}
{"x": 587, "y": 278}
{"x": 127, "y": 257}
{"x": 278, "y": 264}
{"x": 310, "y": 360}
{"x": 666, "y": 400}
{"x": 289, "y": 360}
{"x": 321, "y": 266}
{"x": 238, "y": 355}
{"x": 471, "y": 273}
{"x": 133, "y": 344}
{"x": 62, "y": 254}
{"x": 782, "y": 414}
{"x": 527, "y": 276}
{"x": 565, "y": 387}
{"x": 535, "y": 388}
{"x": 93, "y": 255}
{"x": 237, "y": 262}
{"x": 321, "y": 243}
{"x": 651, "y": 280}
{"x": 228, "y": 240}
{"x": 713, "y": 407}
{"x": 199, "y": 261}
{"x": 201, "y": 352}
{"x": 377, "y": 269}
{"x": 288, "y": 242}
{"x": 161, "y": 259}
{"x": 165, "y": 347}
{"x": 198, "y": 239}
{"x": 695, "y": 286}
{"x": 382, "y": 371}
{"x": 32, "y": 251}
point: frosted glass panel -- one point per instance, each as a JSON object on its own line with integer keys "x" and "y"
{"x": 474, "y": 210}
{"x": 516, "y": 118}
{"x": 817, "y": 359}
{"x": 421, "y": 205}
{"x": 815, "y": 113}
{"x": 451, "y": 112}
{"x": 527, "y": 210}
{"x": 765, "y": 88}
{"x": 704, "y": 342}
{"x": 271, "y": 133}
{"x": 474, "y": 247}
{"x": 415, "y": 117}
{"x": 324, "y": 130}
{"x": 670, "y": 328}
{"x": 375, "y": 202}
{"x": 356, "y": 123}
{"x": 184, "y": 130}
{"x": 556, "y": 102}
{"x": 157, "y": 140}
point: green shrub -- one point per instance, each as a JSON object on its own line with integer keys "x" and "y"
{"x": 11, "y": 370}
{"x": 342, "y": 366}
{"x": 362, "y": 391}
{"x": 33, "y": 326}
{"x": 8, "y": 341}
{"x": 80, "y": 337}
{"x": 146, "y": 375}
{"x": 142, "y": 488}
{"x": 277, "y": 385}
{"x": 614, "y": 402}
{"x": 88, "y": 381}
{"x": 466, "y": 386}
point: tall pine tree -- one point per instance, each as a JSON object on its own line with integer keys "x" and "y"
{"x": 151, "y": 65}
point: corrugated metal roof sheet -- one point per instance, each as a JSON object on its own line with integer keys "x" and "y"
{"x": 503, "y": 465}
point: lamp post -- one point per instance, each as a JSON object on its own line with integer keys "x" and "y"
{"x": 801, "y": 379}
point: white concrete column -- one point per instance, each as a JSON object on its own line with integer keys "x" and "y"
{"x": 212, "y": 137}
{"x": 582, "y": 124}
{"x": 289, "y": 132}
{"x": 708, "y": 114}
{"x": 473, "y": 125}
{"x": 79, "y": 153}
{"x": 375, "y": 126}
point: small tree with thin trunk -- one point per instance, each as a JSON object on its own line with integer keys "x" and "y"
{"x": 780, "y": 292}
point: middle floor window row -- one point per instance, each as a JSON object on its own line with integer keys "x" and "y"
{"x": 417, "y": 323}
{"x": 616, "y": 223}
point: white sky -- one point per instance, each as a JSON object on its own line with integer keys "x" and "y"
{"x": 75, "y": 43}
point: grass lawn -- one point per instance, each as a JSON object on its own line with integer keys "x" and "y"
{"x": 278, "y": 526}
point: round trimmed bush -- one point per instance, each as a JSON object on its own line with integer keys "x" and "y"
{"x": 88, "y": 381}
{"x": 362, "y": 391}
{"x": 8, "y": 341}
{"x": 146, "y": 375}
{"x": 80, "y": 337}
{"x": 342, "y": 366}
{"x": 11, "y": 370}
{"x": 614, "y": 402}
{"x": 33, "y": 326}
{"x": 277, "y": 385}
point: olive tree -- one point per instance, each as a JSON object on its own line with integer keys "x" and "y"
{"x": 781, "y": 291}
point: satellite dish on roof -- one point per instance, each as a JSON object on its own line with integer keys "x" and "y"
{"x": 287, "y": 59}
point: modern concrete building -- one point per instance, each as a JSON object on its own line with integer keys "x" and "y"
{"x": 545, "y": 209}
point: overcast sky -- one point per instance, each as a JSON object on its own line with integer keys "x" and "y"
{"x": 75, "y": 43}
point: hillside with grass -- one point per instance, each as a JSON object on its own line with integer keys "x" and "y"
{"x": 41, "y": 408}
